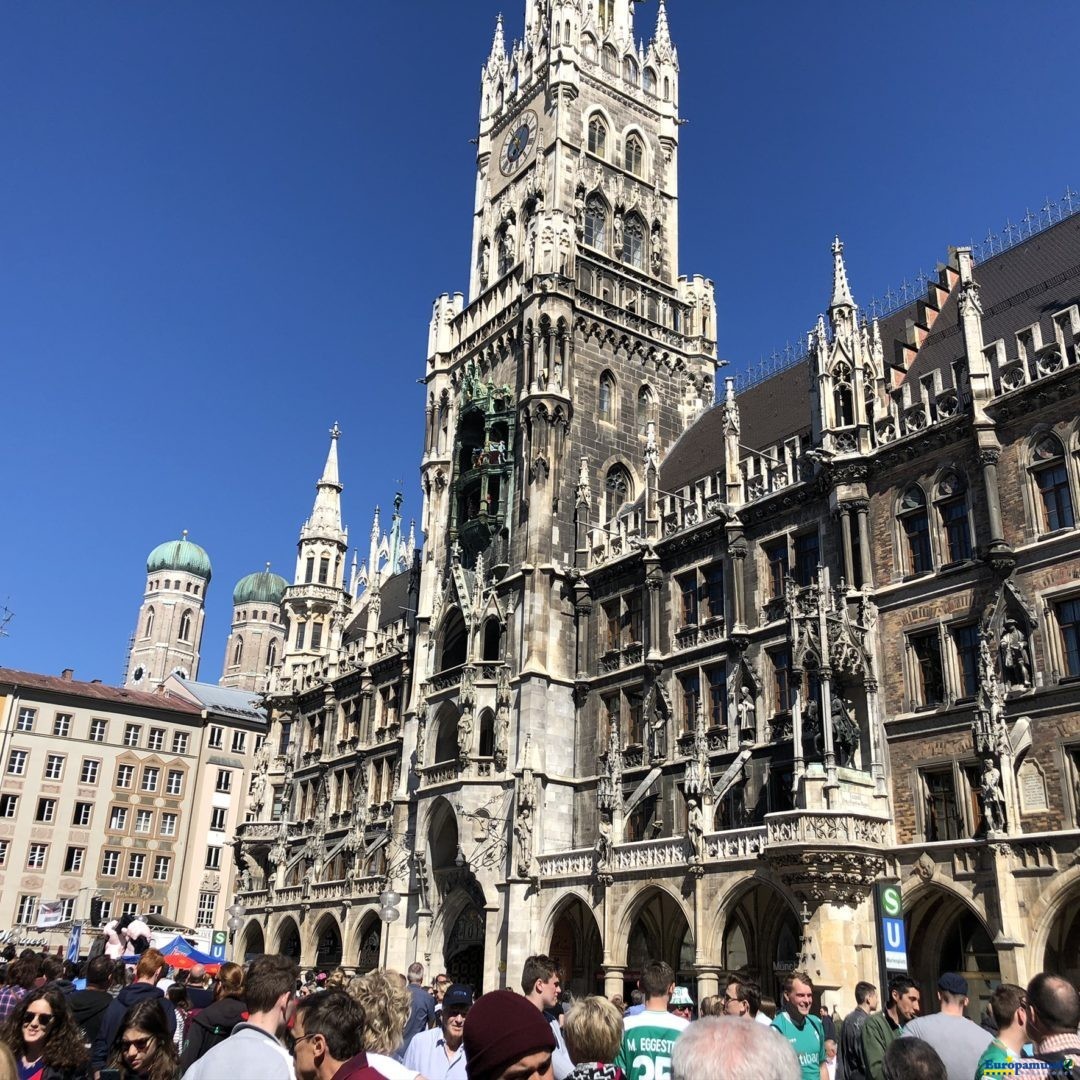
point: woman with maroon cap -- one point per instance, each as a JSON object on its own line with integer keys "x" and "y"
{"x": 507, "y": 1038}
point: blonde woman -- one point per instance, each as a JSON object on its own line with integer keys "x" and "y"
{"x": 593, "y": 1030}
{"x": 385, "y": 999}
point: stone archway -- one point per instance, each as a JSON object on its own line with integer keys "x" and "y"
{"x": 944, "y": 933}
{"x": 369, "y": 944}
{"x": 1063, "y": 941}
{"x": 463, "y": 949}
{"x": 659, "y": 930}
{"x": 761, "y": 938}
{"x": 327, "y": 941}
{"x": 577, "y": 945}
{"x": 252, "y": 942}
{"x": 288, "y": 938}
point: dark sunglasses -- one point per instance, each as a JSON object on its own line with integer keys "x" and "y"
{"x": 43, "y": 1019}
{"x": 141, "y": 1045}
{"x": 292, "y": 1041}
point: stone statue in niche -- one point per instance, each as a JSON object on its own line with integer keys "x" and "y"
{"x": 811, "y": 735}
{"x": 845, "y": 730}
{"x": 747, "y": 714}
{"x": 523, "y": 831}
{"x": 695, "y": 830}
{"x": 1015, "y": 658}
{"x": 604, "y": 847}
{"x": 993, "y": 797}
{"x": 464, "y": 734}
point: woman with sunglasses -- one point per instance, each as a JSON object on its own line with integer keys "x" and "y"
{"x": 44, "y": 1038}
{"x": 143, "y": 1048}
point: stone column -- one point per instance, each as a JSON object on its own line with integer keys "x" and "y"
{"x": 845, "y": 540}
{"x": 737, "y": 549}
{"x": 655, "y": 579}
{"x": 613, "y": 980}
{"x": 862, "y": 508}
{"x": 708, "y": 983}
{"x": 988, "y": 458}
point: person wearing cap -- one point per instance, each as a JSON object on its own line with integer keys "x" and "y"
{"x": 682, "y": 1004}
{"x": 960, "y": 1042}
{"x": 649, "y": 1036}
{"x": 507, "y": 1038}
{"x": 541, "y": 984}
{"x": 439, "y": 1054}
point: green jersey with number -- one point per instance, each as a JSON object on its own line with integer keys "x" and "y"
{"x": 648, "y": 1037}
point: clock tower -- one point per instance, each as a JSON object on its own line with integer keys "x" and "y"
{"x": 579, "y": 355}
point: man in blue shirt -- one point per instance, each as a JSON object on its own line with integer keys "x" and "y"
{"x": 439, "y": 1054}
{"x": 422, "y": 1010}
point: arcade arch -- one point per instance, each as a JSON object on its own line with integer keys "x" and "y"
{"x": 659, "y": 930}
{"x": 576, "y": 944}
{"x": 288, "y": 938}
{"x": 761, "y": 937}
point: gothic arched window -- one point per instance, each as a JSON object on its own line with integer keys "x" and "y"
{"x": 633, "y": 252}
{"x": 455, "y": 641}
{"x": 1051, "y": 476}
{"x": 597, "y": 136}
{"x": 843, "y": 405}
{"x": 618, "y": 489}
{"x": 644, "y": 407}
{"x": 446, "y": 739}
{"x": 149, "y": 622}
{"x": 915, "y": 522}
{"x": 185, "y": 626}
{"x": 629, "y": 70}
{"x": 588, "y": 47}
{"x": 605, "y": 399}
{"x": 650, "y": 82}
{"x": 238, "y": 650}
{"x": 487, "y": 733}
{"x": 271, "y": 653}
{"x": 634, "y": 155}
{"x": 611, "y": 60}
{"x": 596, "y": 222}
{"x": 950, "y": 498}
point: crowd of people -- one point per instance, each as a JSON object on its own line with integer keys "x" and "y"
{"x": 110, "y": 1021}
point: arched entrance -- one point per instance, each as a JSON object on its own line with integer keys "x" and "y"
{"x": 761, "y": 938}
{"x": 945, "y": 934}
{"x": 464, "y": 949}
{"x": 370, "y": 944}
{"x": 575, "y": 943}
{"x": 659, "y": 931}
{"x": 252, "y": 943}
{"x": 1063, "y": 943}
{"x": 327, "y": 944}
{"x": 288, "y": 939}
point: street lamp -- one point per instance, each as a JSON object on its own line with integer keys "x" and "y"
{"x": 236, "y": 915}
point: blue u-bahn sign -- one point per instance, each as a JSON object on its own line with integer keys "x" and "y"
{"x": 892, "y": 935}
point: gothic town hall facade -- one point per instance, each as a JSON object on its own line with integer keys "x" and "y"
{"x": 681, "y": 672}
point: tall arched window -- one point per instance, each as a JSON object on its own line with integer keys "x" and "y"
{"x": 588, "y": 47}
{"x": 596, "y": 222}
{"x": 487, "y": 733}
{"x": 644, "y": 407}
{"x": 605, "y": 398}
{"x": 618, "y": 489}
{"x": 633, "y": 252}
{"x": 185, "y": 626}
{"x": 611, "y": 60}
{"x": 951, "y": 501}
{"x": 1051, "y": 476}
{"x": 634, "y": 155}
{"x": 915, "y": 522}
{"x": 446, "y": 738}
{"x": 650, "y": 82}
{"x": 149, "y": 622}
{"x": 597, "y": 136}
{"x": 271, "y": 653}
{"x": 630, "y": 70}
{"x": 843, "y": 405}
{"x": 238, "y": 650}
{"x": 455, "y": 641}
{"x": 605, "y": 15}
{"x": 492, "y": 640}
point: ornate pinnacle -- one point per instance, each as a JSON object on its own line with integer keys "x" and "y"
{"x": 335, "y": 431}
{"x": 662, "y": 38}
{"x": 498, "y": 44}
{"x": 841, "y": 295}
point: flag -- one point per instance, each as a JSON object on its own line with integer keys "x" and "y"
{"x": 50, "y": 913}
{"x": 74, "y": 943}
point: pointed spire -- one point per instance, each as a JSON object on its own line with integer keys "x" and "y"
{"x": 330, "y": 470}
{"x": 662, "y": 37}
{"x": 841, "y": 293}
{"x": 395, "y": 535}
{"x": 375, "y": 525}
{"x": 498, "y": 44}
{"x": 326, "y": 514}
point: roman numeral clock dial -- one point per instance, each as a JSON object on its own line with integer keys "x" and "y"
{"x": 518, "y": 143}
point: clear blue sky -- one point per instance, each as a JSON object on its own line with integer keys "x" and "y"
{"x": 222, "y": 226}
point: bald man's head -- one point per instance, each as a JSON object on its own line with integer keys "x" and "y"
{"x": 1055, "y": 1003}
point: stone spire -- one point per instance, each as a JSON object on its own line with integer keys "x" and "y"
{"x": 395, "y": 534}
{"x": 326, "y": 514}
{"x": 662, "y": 38}
{"x": 497, "y": 55}
{"x": 841, "y": 293}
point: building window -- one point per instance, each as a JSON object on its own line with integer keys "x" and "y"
{"x": 713, "y": 591}
{"x": 781, "y": 670}
{"x": 807, "y": 558}
{"x": 690, "y": 685}
{"x": 98, "y": 727}
{"x": 915, "y": 522}
{"x": 217, "y": 818}
{"x": 35, "y": 856}
{"x": 633, "y": 252}
{"x": 185, "y": 626}
{"x": 943, "y": 820}
{"x": 650, "y": 82}
{"x": 80, "y": 818}
{"x": 598, "y": 135}
{"x": 1051, "y": 477}
{"x": 136, "y": 864}
{"x": 634, "y": 155}
{"x": 46, "y": 811}
{"x": 309, "y": 570}
{"x": 301, "y": 628}
{"x": 224, "y": 781}
{"x": 67, "y": 910}
{"x": 118, "y": 818}
{"x": 596, "y": 223}
{"x": 688, "y": 598}
{"x": 217, "y": 738}
{"x": 16, "y": 762}
{"x": 90, "y": 771}
{"x": 74, "y": 858}
{"x": 149, "y": 622}
{"x": 776, "y": 561}
{"x": 4, "y": 847}
{"x": 162, "y": 864}
{"x": 645, "y": 409}
{"x": 54, "y": 767}
{"x": 155, "y": 740}
{"x": 316, "y": 634}
{"x": 168, "y": 824}
{"x": 110, "y": 863}
{"x": 144, "y": 821}
{"x": 966, "y": 643}
{"x": 174, "y": 782}
{"x": 62, "y": 725}
{"x": 605, "y": 401}
{"x": 8, "y": 805}
{"x": 929, "y": 677}
{"x": 129, "y": 907}
{"x": 271, "y": 652}
{"x": 717, "y": 697}
{"x": 213, "y": 858}
{"x": 27, "y": 913}
{"x": 324, "y": 570}
{"x": 1067, "y": 613}
{"x": 180, "y": 742}
{"x": 132, "y": 733}
{"x": 150, "y": 776}
{"x": 953, "y": 510}
{"x": 125, "y": 775}
{"x": 618, "y": 489}
{"x": 207, "y": 906}
{"x": 25, "y": 721}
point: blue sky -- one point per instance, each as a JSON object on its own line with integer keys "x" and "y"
{"x": 222, "y": 227}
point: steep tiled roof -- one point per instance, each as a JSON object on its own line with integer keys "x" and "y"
{"x": 57, "y": 684}
{"x": 775, "y": 408}
{"x": 696, "y": 452}
{"x": 395, "y": 598}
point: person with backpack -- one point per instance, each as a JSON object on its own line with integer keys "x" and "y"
{"x": 89, "y": 1005}
{"x": 212, "y": 1025}
{"x": 801, "y": 1028}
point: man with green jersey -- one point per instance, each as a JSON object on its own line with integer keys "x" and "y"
{"x": 802, "y": 1030}
{"x": 648, "y": 1036}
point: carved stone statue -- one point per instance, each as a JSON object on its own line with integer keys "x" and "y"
{"x": 993, "y": 797}
{"x": 747, "y": 715}
{"x": 695, "y": 831}
{"x": 464, "y": 734}
{"x": 604, "y": 847}
{"x": 811, "y": 734}
{"x": 421, "y": 739}
{"x": 257, "y": 796}
{"x": 845, "y": 730}
{"x": 1015, "y": 659}
{"x": 523, "y": 831}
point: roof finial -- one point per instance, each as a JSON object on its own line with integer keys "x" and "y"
{"x": 268, "y": 568}
{"x": 183, "y": 534}
{"x": 662, "y": 38}
{"x": 335, "y": 431}
{"x": 498, "y": 44}
{"x": 841, "y": 293}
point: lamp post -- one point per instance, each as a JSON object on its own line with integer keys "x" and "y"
{"x": 388, "y": 912}
{"x": 236, "y": 915}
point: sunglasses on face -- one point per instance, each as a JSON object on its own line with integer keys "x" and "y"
{"x": 42, "y": 1019}
{"x": 293, "y": 1041}
{"x": 141, "y": 1045}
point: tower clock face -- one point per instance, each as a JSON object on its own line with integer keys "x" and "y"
{"x": 518, "y": 143}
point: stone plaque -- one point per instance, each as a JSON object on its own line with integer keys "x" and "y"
{"x": 1032, "y": 785}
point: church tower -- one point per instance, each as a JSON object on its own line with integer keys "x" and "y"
{"x": 258, "y": 631}
{"x": 580, "y": 356}
{"x": 169, "y": 632}
{"x": 315, "y": 603}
